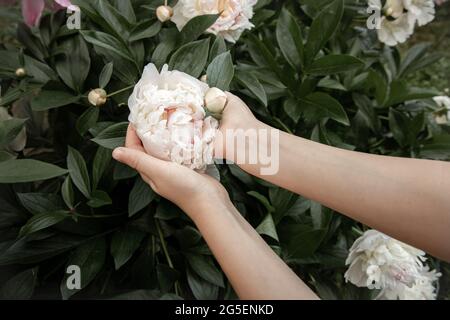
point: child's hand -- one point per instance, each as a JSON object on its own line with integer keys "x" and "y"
{"x": 183, "y": 186}
{"x": 236, "y": 115}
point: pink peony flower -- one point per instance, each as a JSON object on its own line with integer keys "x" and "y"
{"x": 32, "y": 9}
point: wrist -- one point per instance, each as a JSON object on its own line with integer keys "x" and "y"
{"x": 239, "y": 140}
{"x": 208, "y": 207}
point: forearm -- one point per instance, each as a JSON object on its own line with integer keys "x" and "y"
{"x": 406, "y": 198}
{"x": 251, "y": 266}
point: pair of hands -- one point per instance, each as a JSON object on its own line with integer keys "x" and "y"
{"x": 181, "y": 185}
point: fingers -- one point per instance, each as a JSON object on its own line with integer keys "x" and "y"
{"x": 140, "y": 161}
{"x": 132, "y": 140}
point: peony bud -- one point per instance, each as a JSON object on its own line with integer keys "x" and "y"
{"x": 21, "y": 72}
{"x": 215, "y": 100}
{"x": 97, "y": 97}
{"x": 204, "y": 78}
{"x": 164, "y": 13}
{"x": 389, "y": 12}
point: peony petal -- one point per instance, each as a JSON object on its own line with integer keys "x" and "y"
{"x": 32, "y": 11}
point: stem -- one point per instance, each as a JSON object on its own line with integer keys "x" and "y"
{"x": 165, "y": 3}
{"x": 166, "y": 252}
{"x": 120, "y": 91}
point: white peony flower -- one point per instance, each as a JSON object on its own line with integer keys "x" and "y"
{"x": 394, "y": 26}
{"x": 378, "y": 261}
{"x": 444, "y": 103}
{"x": 399, "y": 17}
{"x": 422, "y": 11}
{"x": 234, "y": 17}
{"x": 167, "y": 110}
{"x": 422, "y": 289}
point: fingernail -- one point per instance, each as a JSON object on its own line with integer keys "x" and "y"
{"x": 117, "y": 153}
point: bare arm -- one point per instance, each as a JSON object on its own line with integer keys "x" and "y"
{"x": 252, "y": 267}
{"x": 408, "y": 199}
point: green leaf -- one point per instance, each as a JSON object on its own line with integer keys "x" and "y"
{"x": 196, "y": 27}
{"x": 140, "y": 196}
{"x": 437, "y": 148}
{"x": 218, "y": 47}
{"x": 401, "y": 92}
{"x": 21, "y": 286}
{"x": 115, "y": 23}
{"x": 300, "y": 241}
{"x": 87, "y": 120}
{"x": 42, "y": 221}
{"x": 9, "y": 129}
{"x": 5, "y": 156}
{"x": 78, "y": 171}
{"x": 67, "y": 193}
{"x": 124, "y": 244}
{"x": 264, "y": 201}
{"x": 167, "y": 211}
{"x": 416, "y": 57}
{"x": 334, "y": 63}
{"x": 321, "y": 216}
{"x": 99, "y": 199}
{"x": 48, "y": 99}
{"x": 290, "y": 39}
{"x": 399, "y": 125}
{"x": 324, "y": 104}
{"x": 322, "y": 29}
{"x": 166, "y": 276}
{"x": 191, "y": 58}
{"x": 123, "y": 172}
{"x": 125, "y": 8}
{"x": 113, "y": 136}
{"x": 221, "y": 71}
{"x": 108, "y": 42}
{"x": 90, "y": 258}
{"x": 367, "y": 112}
{"x": 282, "y": 200}
{"x": 380, "y": 86}
{"x": 204, "y": 266}
{"x": 146, "y": 29}
{"x": 201, "y": 289}
{"x": 74, "y": 63}
{"x": 249, "y": 81}
{"x": 105, "y": 75}
{"x": 293, "y": 109}
{"x": 24, "y": 251}
{"x": 37, "y": 203}
{"x": 164, "y": 48}
{"x": 267, "y": 227}
{"x": 27, "y": 170}
{"x": 101, "y": 162}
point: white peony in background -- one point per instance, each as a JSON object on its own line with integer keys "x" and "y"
{"x": 234, "y": 17}
{"x": 377, "y": 261}
{"x": 398, "y": 18}
{"x": 167, "y": 110}
{"x": 443, "y": 103}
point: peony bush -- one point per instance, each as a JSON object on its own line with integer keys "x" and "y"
{"x": 311, "y": 68}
